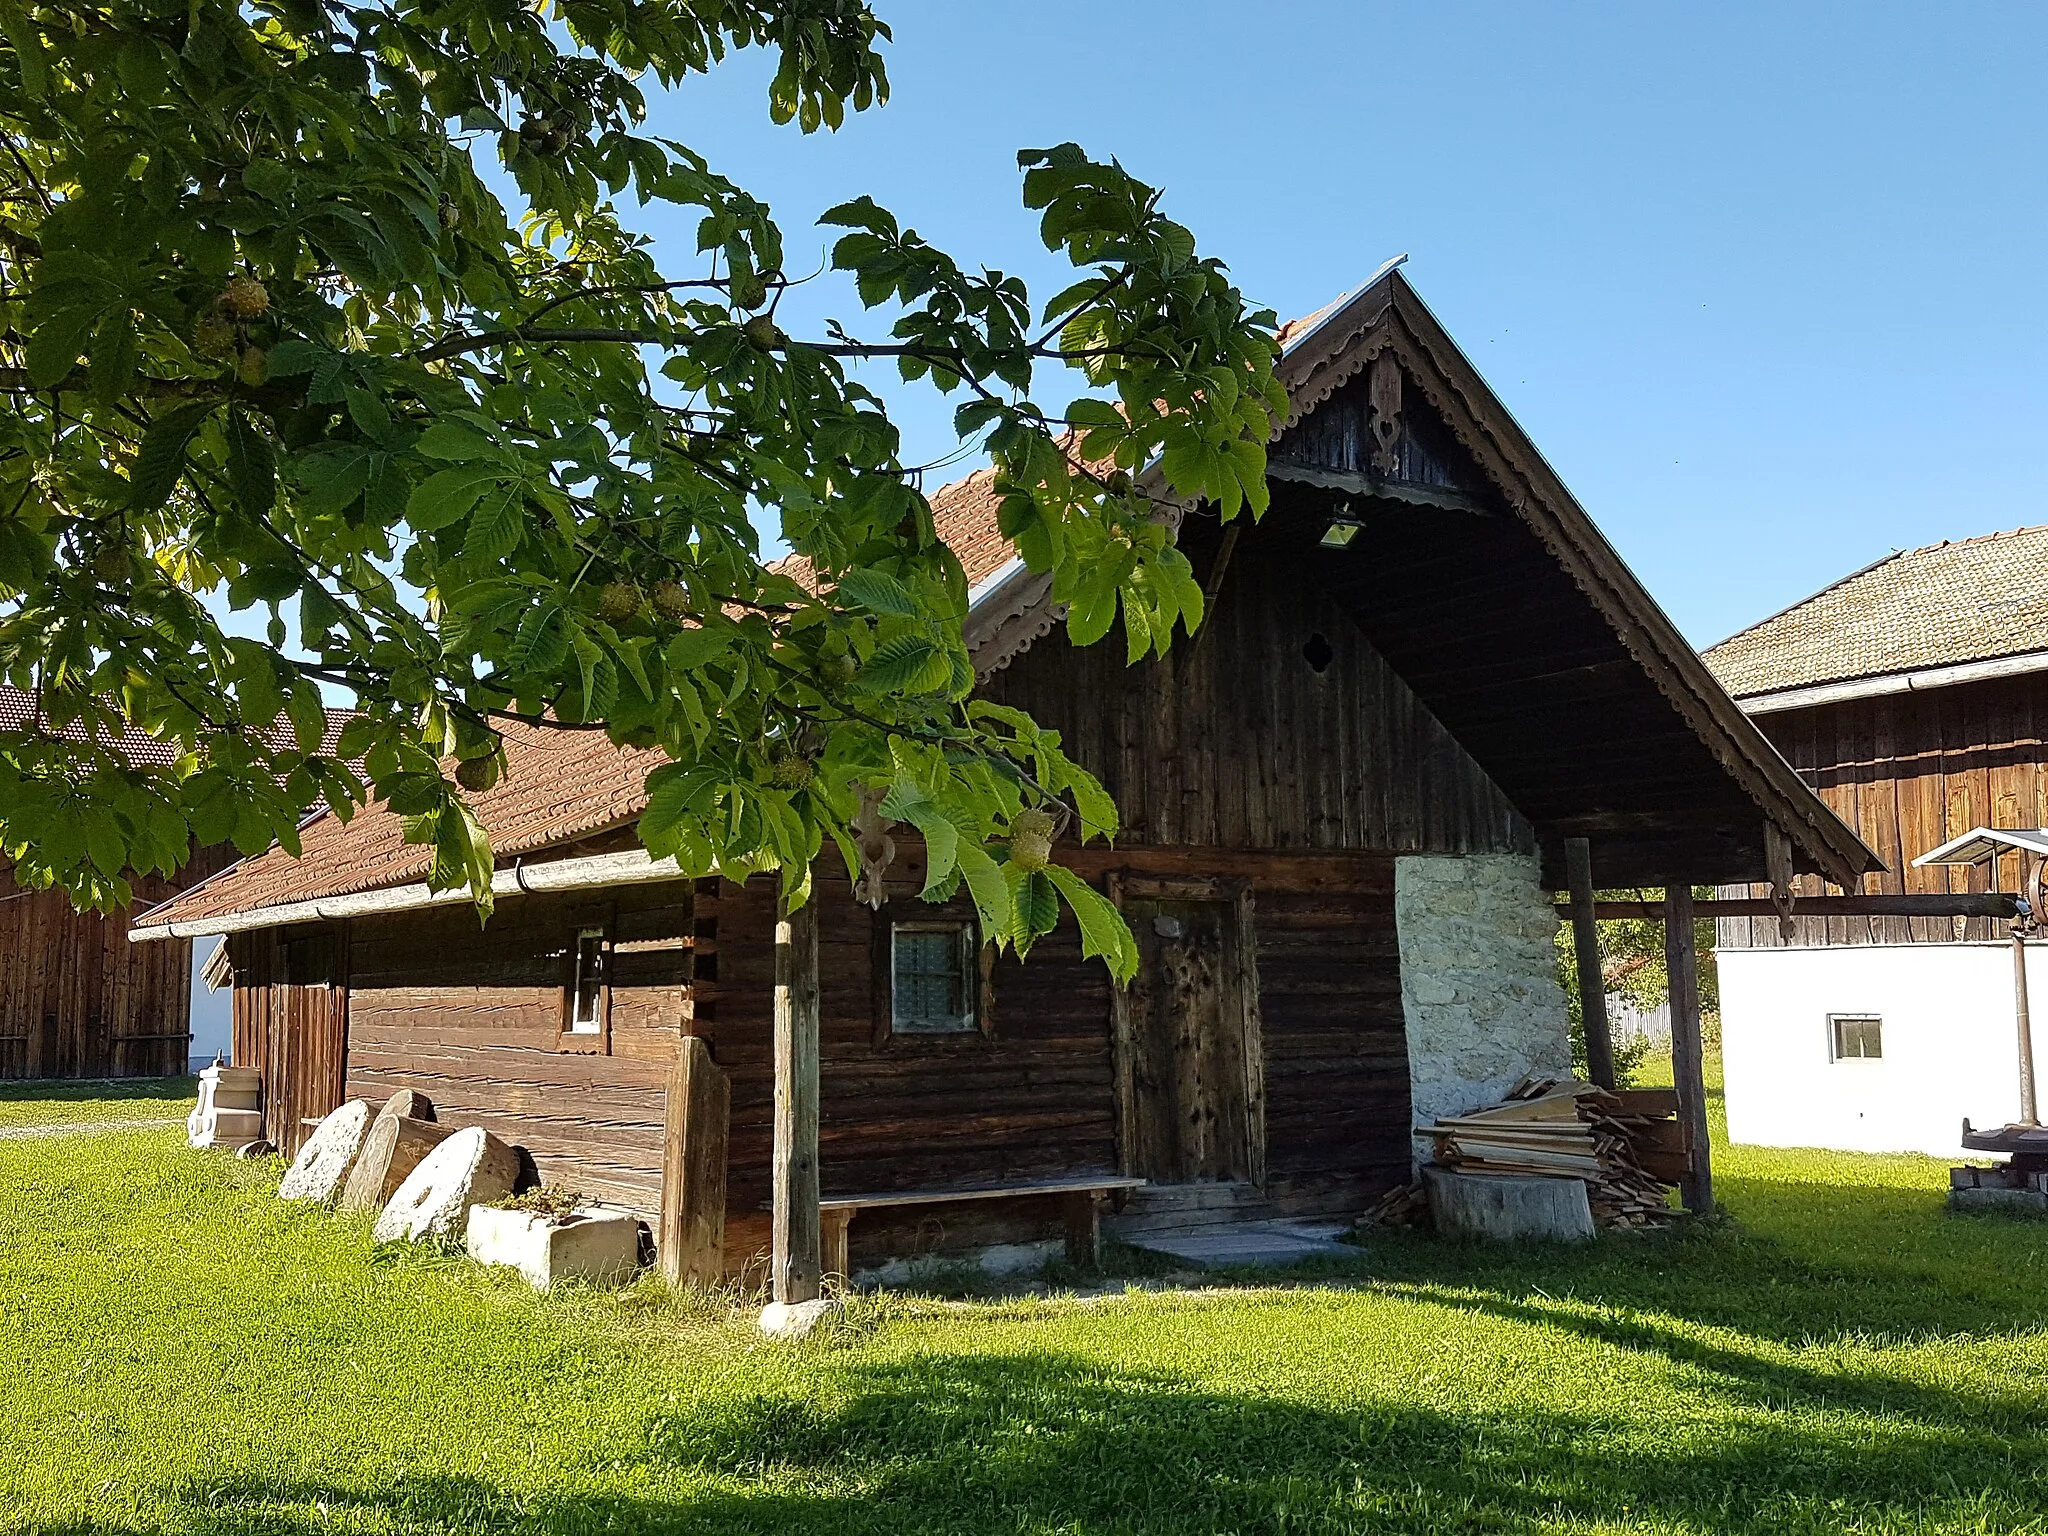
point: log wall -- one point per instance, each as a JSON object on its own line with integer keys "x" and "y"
{"x": 1280, "y": 750}
{"x": 1909, "y": 771}
{"x": 1035, "y": 1096}
{"x": 472, "y": 1017}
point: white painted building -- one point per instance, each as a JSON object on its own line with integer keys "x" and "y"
{"x": 1913, "y": 695}
{"x": 1799, "y": 1024}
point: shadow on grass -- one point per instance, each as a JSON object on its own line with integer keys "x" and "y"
{"x": 1045, "y": 1442}
{"x": 1897, "y": 1269}
{"x": 97, "y": 1090}
{"x": 1823, "y": 1261}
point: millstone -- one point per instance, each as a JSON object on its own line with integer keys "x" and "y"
{"x": 324, "y": 1161}
{"x": 472, "y": 1167}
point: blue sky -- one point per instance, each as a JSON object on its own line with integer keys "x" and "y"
{"x": 1766, "y": 284}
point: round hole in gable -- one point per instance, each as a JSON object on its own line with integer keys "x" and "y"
{"x": 1318, "y": 653}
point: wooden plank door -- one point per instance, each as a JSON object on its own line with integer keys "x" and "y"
{"x": 307, "y": 1061}
{"x": 1189, "y": 1110}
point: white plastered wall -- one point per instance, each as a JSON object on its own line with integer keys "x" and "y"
{"x": 1479, "y": 985}
{"x": 1949, "y": 1041}
{"x": 213, "y": 1025}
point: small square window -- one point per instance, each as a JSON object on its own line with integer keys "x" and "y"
{"x": 1856, "y": 1036}
{"x": 934, "y": 978}
{"x": 586, "y": 988}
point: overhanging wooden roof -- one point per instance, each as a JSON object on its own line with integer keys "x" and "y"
{"x": 1483, "y": 581}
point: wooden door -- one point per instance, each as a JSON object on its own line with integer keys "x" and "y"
{"x": 1190, "y": 1101}
{"x": 307, "y": 1051}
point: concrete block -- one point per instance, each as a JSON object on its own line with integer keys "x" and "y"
{"x": 597, "y": 1245}
{"x": 2003, "y": 1202}
{"x": 229, "y": 1128}
{"x": 1507, "y": 1208}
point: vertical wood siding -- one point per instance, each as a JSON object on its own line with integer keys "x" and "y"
{"x": 77, "y": 999}
{"x": 1909, "y": 771}
{"x": 1235, "y": 740}
{"x": 290, "y": 1023}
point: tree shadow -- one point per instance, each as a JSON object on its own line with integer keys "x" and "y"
{"x": 1052, "y": 1443}
{"x": 98, "y": 1090}
{"x": 1901, "y": 1271}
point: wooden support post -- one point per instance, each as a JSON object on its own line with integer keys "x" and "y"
{"x": 2030, "y": 1110}
{"x": 835, "y": 1259}
{"x": 1084, "y": 1228}
{"x": 691, "y": 1242}
{"x": 796, "y": 1255}
{"x": 1578, "y": 864}
{"x": 1688, "y": 1068}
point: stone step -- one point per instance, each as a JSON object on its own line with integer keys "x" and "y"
{"x": 1231, "y": 1245}
{"x": 1172, "y": 1207}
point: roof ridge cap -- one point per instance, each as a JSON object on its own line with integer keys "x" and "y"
{"x": 1979, "y": 538}
{"x": 1811, "y": 597}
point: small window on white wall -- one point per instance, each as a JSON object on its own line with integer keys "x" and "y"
{"x": 1855, "y": 1036}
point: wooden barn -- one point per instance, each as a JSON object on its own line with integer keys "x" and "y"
{"x": 1425, "y": 675}
{"x": 1913, "y": 696}
{"x": 77, "y": 998}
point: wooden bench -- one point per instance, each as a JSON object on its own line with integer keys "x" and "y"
{"x": 1082, "y": 1197}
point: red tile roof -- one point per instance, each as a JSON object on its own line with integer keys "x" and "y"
{"x": 560, "y": 785}
{"x": 21, "y": 710}
{"x": 964, "y": 516}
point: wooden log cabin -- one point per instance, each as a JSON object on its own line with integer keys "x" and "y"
{"x": 1913, "y": 696}
{"x": 1344, "y": 802}
{"x": 77, "y": 999}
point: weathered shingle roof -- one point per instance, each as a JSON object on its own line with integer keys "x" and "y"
{"x": 1944, "y": 605}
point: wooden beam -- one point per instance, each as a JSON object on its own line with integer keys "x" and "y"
{"x": 1681, "y": 964}
{"x": 1578, "y": 859}
{"x": 1993, "y": 904}
{"x": 796, "y": 1255}
{"x": 835, "y": 1260}
{"x": 693, "y": 1169}
{"x": 1084, "y": 1228}
{"x": 1440, "y": 497}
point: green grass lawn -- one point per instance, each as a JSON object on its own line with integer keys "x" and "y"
{"x": 130, "y": 1098}
{"x": 184, "y": 1353}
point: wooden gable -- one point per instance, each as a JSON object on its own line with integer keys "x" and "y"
{"x": 1486, "y": 588}
{"x": 1502, "y": 678}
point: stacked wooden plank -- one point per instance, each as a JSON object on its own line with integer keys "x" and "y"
{"x": 1559, "y": 1128}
